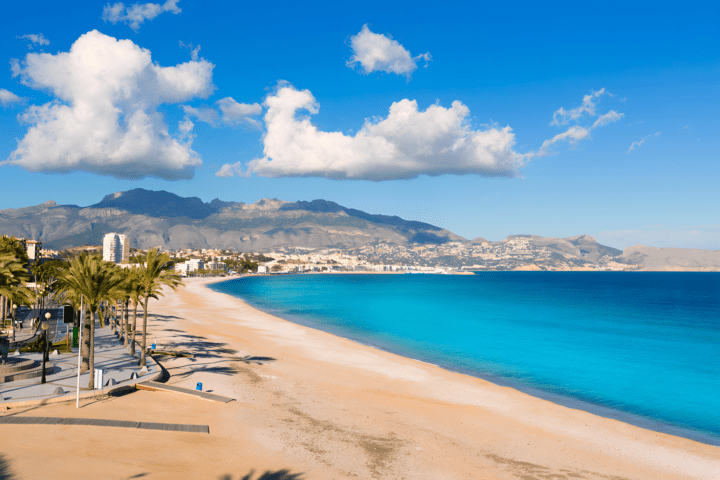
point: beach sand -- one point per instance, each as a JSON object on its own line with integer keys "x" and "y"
{"x": 311, "y": 405}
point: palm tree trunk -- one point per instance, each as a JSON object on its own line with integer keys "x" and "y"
{"x": 144, "y": 336}
{"x": 123, "y": 322}
{"x": 91, "y": 380}
{"x": 132, "y": 343}
{"x": 101, "y": 315}
{"x": 85, "y": 347}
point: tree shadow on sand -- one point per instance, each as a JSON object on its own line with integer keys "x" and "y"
{"x": 254, "y": 359}
{"x": 268, "y": 475}
{"x": 6, "y": 474}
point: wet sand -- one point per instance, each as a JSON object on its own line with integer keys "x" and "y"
{"x": 312, "y": 405}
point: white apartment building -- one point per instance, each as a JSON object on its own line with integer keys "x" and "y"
{"x": 217, "y": 266}
{"x": 116, "y": 248}
{"x": 192, "y": 265}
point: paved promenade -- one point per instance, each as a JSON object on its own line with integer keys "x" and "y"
{"x": 110, "y": 356}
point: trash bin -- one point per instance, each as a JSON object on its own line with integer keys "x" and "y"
{"x": 199, "y": 386}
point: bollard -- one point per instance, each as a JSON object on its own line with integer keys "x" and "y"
{"x": 199, "y": 386}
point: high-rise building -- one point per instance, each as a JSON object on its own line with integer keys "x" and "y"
{"x": 116, "y": 248}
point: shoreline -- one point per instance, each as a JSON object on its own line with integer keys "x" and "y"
{"x": 558, "y": 410}
{"x": 559, "y": 399}
{"x": 310, "y": 403}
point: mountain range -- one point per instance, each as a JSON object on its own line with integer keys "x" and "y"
{"x": 160, "y": 218}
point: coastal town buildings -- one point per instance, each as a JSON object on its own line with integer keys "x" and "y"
{"x": 189, "y": 266}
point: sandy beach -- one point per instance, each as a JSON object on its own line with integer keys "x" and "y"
{"x": 310, "y": 405}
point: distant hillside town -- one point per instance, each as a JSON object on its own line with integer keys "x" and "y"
{"x": 317, "y": 236}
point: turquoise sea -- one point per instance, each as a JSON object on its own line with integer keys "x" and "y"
{"x": 641, "y": 347}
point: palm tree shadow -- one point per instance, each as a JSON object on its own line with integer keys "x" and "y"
{"x": 255, "y": 359}
{"x": 283, "y": 474}
{"x": 5, "y": 473}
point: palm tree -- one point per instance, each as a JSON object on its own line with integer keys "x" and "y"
{"x": 13, "y": 275}
{"x": 156, "y": 273}
{"x": 133, "y": 287}
{"x": 123, "y": 295}
{"x": 95, "y": 280}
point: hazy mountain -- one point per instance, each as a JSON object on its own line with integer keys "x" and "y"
{"x": 673, "y": 259}
{"x": 157, "y": 204}
{"x": 159, "y": 218}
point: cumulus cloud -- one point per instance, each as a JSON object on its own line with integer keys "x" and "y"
{"x": 229, "y": 112}
{"x": 35, "y": 39}
{"x": 575, "y": 133}
{"x": 135, "y": 15}
{"x": 406, "y": 144}
{"x": 230, "y": 170}
{"x": 7, "y": 97}
{"x": 375, "y": 52}
{"x": 204, "y": 114}
{"x": 637, "y": 143}
{"x": 105, "y": 117}
{"x": 234, "y": 112}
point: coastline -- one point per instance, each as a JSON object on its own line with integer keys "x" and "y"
{"x": 514, "y": 395}
{"x": 311, "y": 403}
{"x": 554, "y": 397}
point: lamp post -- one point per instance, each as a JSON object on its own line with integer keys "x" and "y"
{"x": 13, "y": 320}
{"x": 45, "y": 326}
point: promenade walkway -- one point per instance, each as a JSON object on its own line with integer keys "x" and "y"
{"x": 110, "y": 356}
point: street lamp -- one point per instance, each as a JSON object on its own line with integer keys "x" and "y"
{"x": 13, "y": 320}
{"x": 45, "y": 326}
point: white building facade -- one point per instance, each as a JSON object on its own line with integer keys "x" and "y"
{"x": 116, "y": 248}
{"x": 217, "y": 266}
{"x": 188, "y": 266}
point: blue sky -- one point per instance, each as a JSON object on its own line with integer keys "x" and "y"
{"x": 488, "y": 119}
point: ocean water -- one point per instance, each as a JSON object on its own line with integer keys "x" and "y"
{"x": 642, "y": 347}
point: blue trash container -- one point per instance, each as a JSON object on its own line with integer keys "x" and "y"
{"x": 199, "y": 386}
{"x": 152, "y": 346}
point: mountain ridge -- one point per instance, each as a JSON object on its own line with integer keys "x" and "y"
{"x": 160, "y": 218}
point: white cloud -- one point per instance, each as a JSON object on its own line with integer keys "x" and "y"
{"x": 637, "y": 143}
{"x": 572, "y": 135}
{"x": 577, "y": 132}
{"x": 136, "y": 14}
{"x": 204, "y": 114}
{"x": 380, "y": 52}
{"x": 234, "y": 113}
{"x": 562, "y": 116}
{"x": 35, "y": 38}
{"x": 194, "y": 50}
{"x": 229, "y": 170}
{"x": 611, "y": 116}
{"x": 229, "y": 112}
{"x": 406, "y": 144}
{"x": 7, "y": 97}
{"x": 105, "y": 117}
